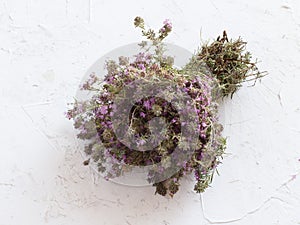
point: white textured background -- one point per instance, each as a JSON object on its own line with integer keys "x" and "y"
{"x": 45, "y": 48}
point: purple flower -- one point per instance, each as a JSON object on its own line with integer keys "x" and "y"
{"x": 103, "y": 109}
{"x": 141, "y": 142}
{"x": 69, "y": 114}
{"x": 141, "y": 66}
{"x": 142, "y": 114}
{"x": 140, "y": 57}
{"x": 152, "y": 100}
{"x": 126, "y": 72}
{"x": 197, "y": 175}
{"x": 147, "y": 104}
{"x": 202, "y": 135}
{"x": 168, "y": 24}
{"x": 162, "y": 30}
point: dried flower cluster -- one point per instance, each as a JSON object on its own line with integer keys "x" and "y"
{"x": 96, "y": 119}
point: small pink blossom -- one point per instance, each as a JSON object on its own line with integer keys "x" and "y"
{"x": 168, "y": 23}
{"x": 142, "y": 114}
{"x": 103, "y": 110}
{"x": 147, "y": 104}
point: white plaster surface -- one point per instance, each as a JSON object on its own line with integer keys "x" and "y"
{"x": 45, "y": 49}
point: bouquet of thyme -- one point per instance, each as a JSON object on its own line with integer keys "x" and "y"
{"x": 117, "y": 121}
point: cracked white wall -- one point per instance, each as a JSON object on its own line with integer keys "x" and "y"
{"x": 45, "y": 48}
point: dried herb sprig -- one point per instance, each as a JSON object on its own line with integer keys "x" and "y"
{"x": 229, "y": 62}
